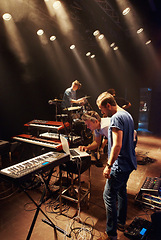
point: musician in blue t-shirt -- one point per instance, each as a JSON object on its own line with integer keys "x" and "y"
{"x": 121, "y": 162}
{"x": 69, "y": 96}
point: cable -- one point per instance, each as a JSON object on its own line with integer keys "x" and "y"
{"x": 82, "y": 232}
{"x": 9, "y": 194}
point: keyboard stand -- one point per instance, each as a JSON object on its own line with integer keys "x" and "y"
{"x": 38, "y": 208}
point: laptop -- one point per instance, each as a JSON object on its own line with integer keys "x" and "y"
{"x": 73, "y": 152}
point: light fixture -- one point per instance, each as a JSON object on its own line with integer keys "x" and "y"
{"x": 7, "y": 16}
{"x": 126, "y": 11}
{"x": 115, "y": 48}
{"x": 57, "y": 4}
{"x": 140, "y": 30}
{"x": 88, "y": 54}
{"x": 93, "y": 56}
{"x": 96, "y": 33}
{"x": 112, "y": 44}
{"x": 72, "y": 46}
{"x": 101, "y": 36}
{"x": 40, "y": 32}
{"x": 52, "y": 38}
{"x": 148, "y": 42}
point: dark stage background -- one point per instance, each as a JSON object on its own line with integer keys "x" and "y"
{"x": 47, "y": 68}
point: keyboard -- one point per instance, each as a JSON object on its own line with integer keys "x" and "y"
{"x": 74, "y": 153}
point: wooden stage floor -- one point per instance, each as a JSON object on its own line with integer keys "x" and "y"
{"x": 17, "y": 210}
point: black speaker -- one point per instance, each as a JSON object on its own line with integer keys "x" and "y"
{"x": 156, "y": 224}
{"x": 4, "y": 153}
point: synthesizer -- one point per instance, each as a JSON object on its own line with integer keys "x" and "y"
{"x": 39, "y": 164}
{"x": 51, "y": 125}
{"x": 152, "y": 185}
{"x": 55, "y": 144}
{"x": 52, "y": 135}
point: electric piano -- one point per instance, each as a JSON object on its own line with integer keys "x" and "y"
{"x": 55, "y": 144}
{"x": 20, "y": 172}
{"x": 50, "y": 125}
{"x": 52, "y": 135}
{"x": 42, "y": 163}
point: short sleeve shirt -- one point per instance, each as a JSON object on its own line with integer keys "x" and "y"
{"x": 69, "y": 94}
{"x": 126, "y": 160}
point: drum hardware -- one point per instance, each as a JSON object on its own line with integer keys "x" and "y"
{"x": 56, "y": 102}
{"x": 72, "y": 108}
{"x": 87, "y": 96}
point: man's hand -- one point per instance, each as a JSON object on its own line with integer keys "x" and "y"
{"x": 106, "y": 172}
{"x": 83, "y": 148}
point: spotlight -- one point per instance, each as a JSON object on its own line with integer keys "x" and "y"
{"x": 7, "y": 16}
{"x": 148, "y": 42}
{"x": 72, "y": 46}
{"x": 93, "y": 56}
{"x": 40, "y": 32}
{"x": 88, "y": 54}
{"x": 96, "y": 33}
{"x": 101, "y": 36}
{"x": 52, "y": 38}
{"x": 126, "y": 11}
{"x": 57, "y": 4}
{"x": 112, "y": 44}
{"x": 140, "y": 30}
{"x": 115, "y": 48}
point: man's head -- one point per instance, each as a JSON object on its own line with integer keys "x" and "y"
{"x": 92, "y": 120}
{"x": 112, "y": 91}
{"x": 76, "y": 85}
{"x": 107, "y": 104}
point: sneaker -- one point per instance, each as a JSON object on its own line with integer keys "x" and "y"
{"x": 121, "y": 227}
{"x": 106, "y": 237}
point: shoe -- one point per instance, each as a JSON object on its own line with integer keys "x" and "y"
{"x": 106, "y": 237}
{"x": 121, "y": 227}
{"x": 98, "y": 164}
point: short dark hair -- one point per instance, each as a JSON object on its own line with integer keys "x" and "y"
{"x": 76, "y": 82}
{"x": 105, "y": 98}
{"x": 111, "y": 91}
{"x": 92, "y": 116}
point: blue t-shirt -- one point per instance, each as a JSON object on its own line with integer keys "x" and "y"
{"x": 126, "y": 160}
{"x": 68, "y": 95}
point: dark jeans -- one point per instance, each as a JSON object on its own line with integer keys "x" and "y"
{"x": 115, "y": 199}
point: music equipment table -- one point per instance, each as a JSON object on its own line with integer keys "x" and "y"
{"x": 55, "y": 144}
{"x": 51, "y": 125}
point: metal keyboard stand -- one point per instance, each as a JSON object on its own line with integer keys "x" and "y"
{"x": 38, "y": 208}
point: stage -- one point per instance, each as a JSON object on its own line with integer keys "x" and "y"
{"x": 17, "y": 210}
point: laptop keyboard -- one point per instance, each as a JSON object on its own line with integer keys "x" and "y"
{"x": 73, "y": 152}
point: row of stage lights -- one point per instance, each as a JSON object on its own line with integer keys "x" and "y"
{"x": 96, "y": 33}
{"x": 40, "y": 32}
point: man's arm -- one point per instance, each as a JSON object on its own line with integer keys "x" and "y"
{"x": 126, "y": 106}
{"x": 80, "y": 100}
{"x": 94, "y": 145}
{"x": 117, "y": 136}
